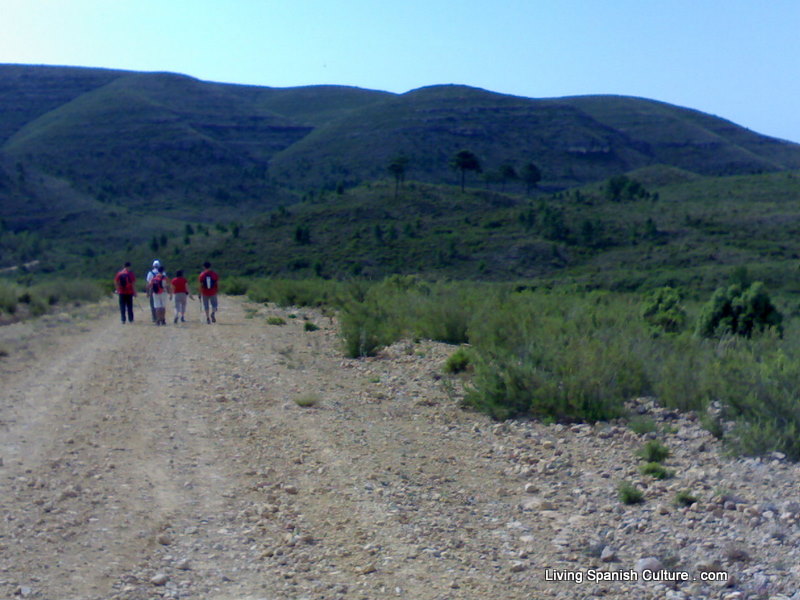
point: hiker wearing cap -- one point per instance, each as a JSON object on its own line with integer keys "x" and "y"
{"x": 209, "y": 282}
{"x": 124, "y": 284}
{"x": 180, "y": 290}
{"x": 150, "y": 274}
{"x": 157, "y": 288}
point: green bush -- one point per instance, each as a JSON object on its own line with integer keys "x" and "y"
{"x": 656, "y": 470}
{"x": 629, "y": 493}
{"x": 684, "y": 498}
{"x": 40, "y": 297}
{"x": 276, "y": 321}
{"x": 642, "y": 425}
{"x": 9, "y": 296}
{"x": 309, "y": 326}
{"x": 556, "y": 357}
{"x": 663, "y": 312}
{"x": 60, "y": 291}
{"x": 757, "y": 383}
{"x": 365, "y": 329}
{"x": 308, "y": 401}
{"x": 442, "y": 315}
{"x": 653, "y": 452}
{"x": 234, "y": 286}
{"x": 678, "y": 366}
{"x": 739, "y": 310}
{"x": 579, "y": 356}
{"x": 458, "y": 362}
{"x": 295, "y": 292}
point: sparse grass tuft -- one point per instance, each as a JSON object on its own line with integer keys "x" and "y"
{"x": 308, "y": 401}
{"x": 629, "y": 493}
{"x": 653, "y": 452}
{"x": 309, "y": 326}
{"x": 458, "y": 362}
{"x": 684, "y": 498}
{"x": 642, "y": 425}
{"x": 276, "y": 321}
{"x": 656, "y": 471}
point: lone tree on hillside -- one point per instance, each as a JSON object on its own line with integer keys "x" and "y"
{"x": 397, "y": 167}
{"x": 507, "y": 173}
{"x": 531, "y": 175}
{"x": 464, "y": 161}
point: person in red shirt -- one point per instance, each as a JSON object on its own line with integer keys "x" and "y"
{"x": 180, "y": 291}
{"x": 209, "y": 285}
{"x": 124, "y": 282}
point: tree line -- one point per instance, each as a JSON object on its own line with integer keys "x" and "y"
{"x": 465, "y": 161}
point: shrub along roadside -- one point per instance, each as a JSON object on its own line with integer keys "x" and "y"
{"x": 21, "y": 300}
{"x": 567, "y": 357}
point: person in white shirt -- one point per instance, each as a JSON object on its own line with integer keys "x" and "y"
{"x": 150, "y": 274}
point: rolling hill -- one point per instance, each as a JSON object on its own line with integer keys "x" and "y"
{"x": 96, "y": 161}
{"x": 157, "y": 138}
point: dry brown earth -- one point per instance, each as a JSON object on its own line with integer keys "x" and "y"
{"x": 177, "y": 462}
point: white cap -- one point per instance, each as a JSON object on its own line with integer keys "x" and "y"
{"x": 156, "y": 263}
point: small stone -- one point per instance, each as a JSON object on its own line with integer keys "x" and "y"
{"x": 650, "y": 563}
{"x": 538, "y": 504}
{"x": 518, "y": 567}
{"x": 531, "y": 488}
{"x": 183, "y": 564}
{"x": 160, "y": 579}
{"x": 367, "y": 569}
{"x": 291, "y": 490}
{"x": 707, "y": 566}
{"x": 164, "y": 539}
{"x": 608, "y": 554}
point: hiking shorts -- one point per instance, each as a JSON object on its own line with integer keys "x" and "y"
{"x": 158, "y": 300}
{"x": 180, "y": 302}
{"x": 210, "y": 301}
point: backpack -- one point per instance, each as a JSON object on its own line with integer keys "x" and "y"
{"x": 208, "y": 282}
{"x": 157, "y": 284}
{"x": 123, "y": 280}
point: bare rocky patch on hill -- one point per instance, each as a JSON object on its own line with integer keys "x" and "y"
{"x": 246, "y": 460}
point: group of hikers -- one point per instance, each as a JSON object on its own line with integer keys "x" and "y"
{"x": 159, "y": 286}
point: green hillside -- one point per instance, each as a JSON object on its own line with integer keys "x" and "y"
{"x": 688, "y": 231}
{"x": 572, "y": 140}
{"x": 97, "y": 165}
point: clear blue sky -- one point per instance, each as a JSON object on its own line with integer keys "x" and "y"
{"x": 737, "y": 59}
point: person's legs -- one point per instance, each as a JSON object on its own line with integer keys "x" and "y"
{"x": 153, "y": 307}
{"x": 129, "y": 306}
{"x": 180, "y": 306}
{"x": 206, "y": 302}
{"x": 122, "y": 307}
{"x": 214, "y": 307}
{"x": 160, "y": 309}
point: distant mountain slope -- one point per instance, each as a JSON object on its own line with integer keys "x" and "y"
{"x": 175, "y": 148}
{"x": 687, "y": 138}
{"x": 149, "y": 136}
{"x": 317, "y": 104}
{"x": 27, "y": 92}
{"x": 430, "y": 125}
{"x": 573, "y": 140}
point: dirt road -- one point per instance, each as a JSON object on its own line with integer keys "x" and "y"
{"x": 244, "y": 460}
{"x": 176, "y": 461}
